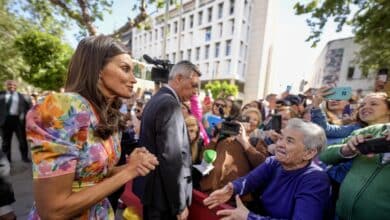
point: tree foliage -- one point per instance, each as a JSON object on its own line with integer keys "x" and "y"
{"x": 223, "y": 89}
{"x": 47, "y": 58}
{"x": 10, "y": 27}
{"x": 85, "y": 13}
{"x": 370, "y": 22}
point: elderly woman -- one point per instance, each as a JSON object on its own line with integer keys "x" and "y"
{"x": 291, "y": 186}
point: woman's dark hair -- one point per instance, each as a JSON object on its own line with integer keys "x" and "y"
{"x": 90, "y": 57}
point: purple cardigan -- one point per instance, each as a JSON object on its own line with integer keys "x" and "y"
{"x": 298, "y": 194}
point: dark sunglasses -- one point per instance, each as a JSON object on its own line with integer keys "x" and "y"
{"x": 220, "y": 105}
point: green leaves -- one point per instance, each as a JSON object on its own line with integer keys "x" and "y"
{"x": 47, "y": 58}
{"x": 223, "y": 89}
{"x": 370, "y": 24}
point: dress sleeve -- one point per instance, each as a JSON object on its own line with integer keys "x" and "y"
{"x": 56, "y": 130}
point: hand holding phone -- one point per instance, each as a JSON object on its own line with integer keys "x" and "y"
{"x": 374, "y": 145}
{"x": 339, "y": 93}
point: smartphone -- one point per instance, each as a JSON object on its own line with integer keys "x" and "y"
{"x": 214, "y": 120}
{"x": 375, "y": 145}
{"x": 340, "y": 93}
{"x": 276, "y": 123}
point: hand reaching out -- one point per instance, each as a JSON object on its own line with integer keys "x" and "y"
{"x": 239, "y": 213}
{"x": 219, "y": 196}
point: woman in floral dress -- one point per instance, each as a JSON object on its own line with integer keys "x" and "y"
{"x": 75, "y": 136}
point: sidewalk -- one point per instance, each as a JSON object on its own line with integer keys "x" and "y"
{"x": 21, "y": 178}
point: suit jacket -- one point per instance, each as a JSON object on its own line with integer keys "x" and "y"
{"x": 23, "y": 107}
{"x": 164, "y": 133}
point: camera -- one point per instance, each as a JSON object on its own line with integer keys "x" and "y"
{"x": 374, "y": 145}
{"x": 161, "y": 69}
{"x": 229, "y": 126}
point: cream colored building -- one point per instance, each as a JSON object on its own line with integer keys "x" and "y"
{"x": 228, "y": 39}
{"x": 336, "y": 65}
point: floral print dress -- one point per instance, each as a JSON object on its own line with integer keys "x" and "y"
{"x": 60, "y": 131}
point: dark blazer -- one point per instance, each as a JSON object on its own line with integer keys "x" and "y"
{"x": 24, "y": 106}
{"x": 164, "y": 133}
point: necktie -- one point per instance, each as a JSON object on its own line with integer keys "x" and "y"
{"x": 9, "y": 102}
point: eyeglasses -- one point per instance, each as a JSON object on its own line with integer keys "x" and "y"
{"x": 220, "y": 105}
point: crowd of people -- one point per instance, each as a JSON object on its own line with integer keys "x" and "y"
{"x": 285, "y": 156}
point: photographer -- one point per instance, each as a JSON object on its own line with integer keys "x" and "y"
{"x": 236, "y": 156}
{"x": 364, "y": 191}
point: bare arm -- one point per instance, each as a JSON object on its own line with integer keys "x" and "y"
{"x": 55, "y": 199}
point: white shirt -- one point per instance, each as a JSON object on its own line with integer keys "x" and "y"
{"x": 14, "y": 105}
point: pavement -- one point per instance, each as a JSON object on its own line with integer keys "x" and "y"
{"x": 21, "y": 179}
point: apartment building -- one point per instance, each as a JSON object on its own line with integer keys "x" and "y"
{"x": 229, "y": 40}
{"x": 336, "y": 65}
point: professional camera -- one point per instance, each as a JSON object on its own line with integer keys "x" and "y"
{"x": 160, "y": 71}
{"x": 230, "y": 125}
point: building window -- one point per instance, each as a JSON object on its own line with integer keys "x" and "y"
{"x": 228, "y": 47}
{"x": 210, "y": 14}
{"x": 217, "y": 50}
{"x": 175, "y": 27}
{"x": 206, "y": 52}
{"x": 232, "y": 26}
{"x": 231, "y": 10}
{"x": 191, "y": 21}
{"x": 220, "y": 10}
{"x": 220, "y": 29}
{"x": 174, "y": 57}
{"x": 183, "y": 24}
{"x": 181, "y": 55}
{"x": 189, "y": 54}
{"x": 217, "y": 72}
{"x": 207, "y": 68}
{"x": 162, "y": 32}
{"x": 208, "y": 34}
{"x": 200, "y": 17}
{"x": 155, "y": 34}
{"x": 169, "y": 29}
{"x": 228, "y": 66}
{"x": 351, "y": 72}
{"x": 197, "y": 53}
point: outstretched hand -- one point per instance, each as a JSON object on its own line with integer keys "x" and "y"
{"x": 239, "y": 213}
{"x": 219, "y": 196}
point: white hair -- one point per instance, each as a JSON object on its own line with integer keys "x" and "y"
{"x": 184, "y": 68}
{"x": 313, "y": 135}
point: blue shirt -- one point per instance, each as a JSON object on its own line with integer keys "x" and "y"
{"x": 298, "y": 194}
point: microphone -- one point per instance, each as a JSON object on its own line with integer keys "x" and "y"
{"x": 150, "y": 60}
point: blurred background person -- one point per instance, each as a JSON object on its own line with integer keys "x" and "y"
{"x": 13, "y": 110}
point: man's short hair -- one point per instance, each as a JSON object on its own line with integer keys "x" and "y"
{"x": 184, "y": 68}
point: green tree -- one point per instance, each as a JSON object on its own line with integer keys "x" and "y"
{"x": 11, "y": 59}
{"x": 368, "y": 18}
{"x": 47, "y": 58}
{"x": 223, "y": 89}
{"x": 85, "y": 13}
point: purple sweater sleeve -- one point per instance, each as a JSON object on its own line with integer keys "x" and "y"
{"x": 255, "y": 179}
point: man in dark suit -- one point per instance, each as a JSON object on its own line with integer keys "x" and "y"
{"x": 13, "y": 109}
{"x": 168, "y": 189}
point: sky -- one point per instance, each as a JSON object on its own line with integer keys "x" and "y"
{"x": 293, "y": 57}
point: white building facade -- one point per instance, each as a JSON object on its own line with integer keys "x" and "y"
{"x": 336, "y": 65}
{"x": 228, "y": 39}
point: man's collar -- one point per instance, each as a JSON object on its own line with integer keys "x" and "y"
{"x": 173, "y": 91}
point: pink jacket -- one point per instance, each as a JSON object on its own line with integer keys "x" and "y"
{"x": 196, "y": 110}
